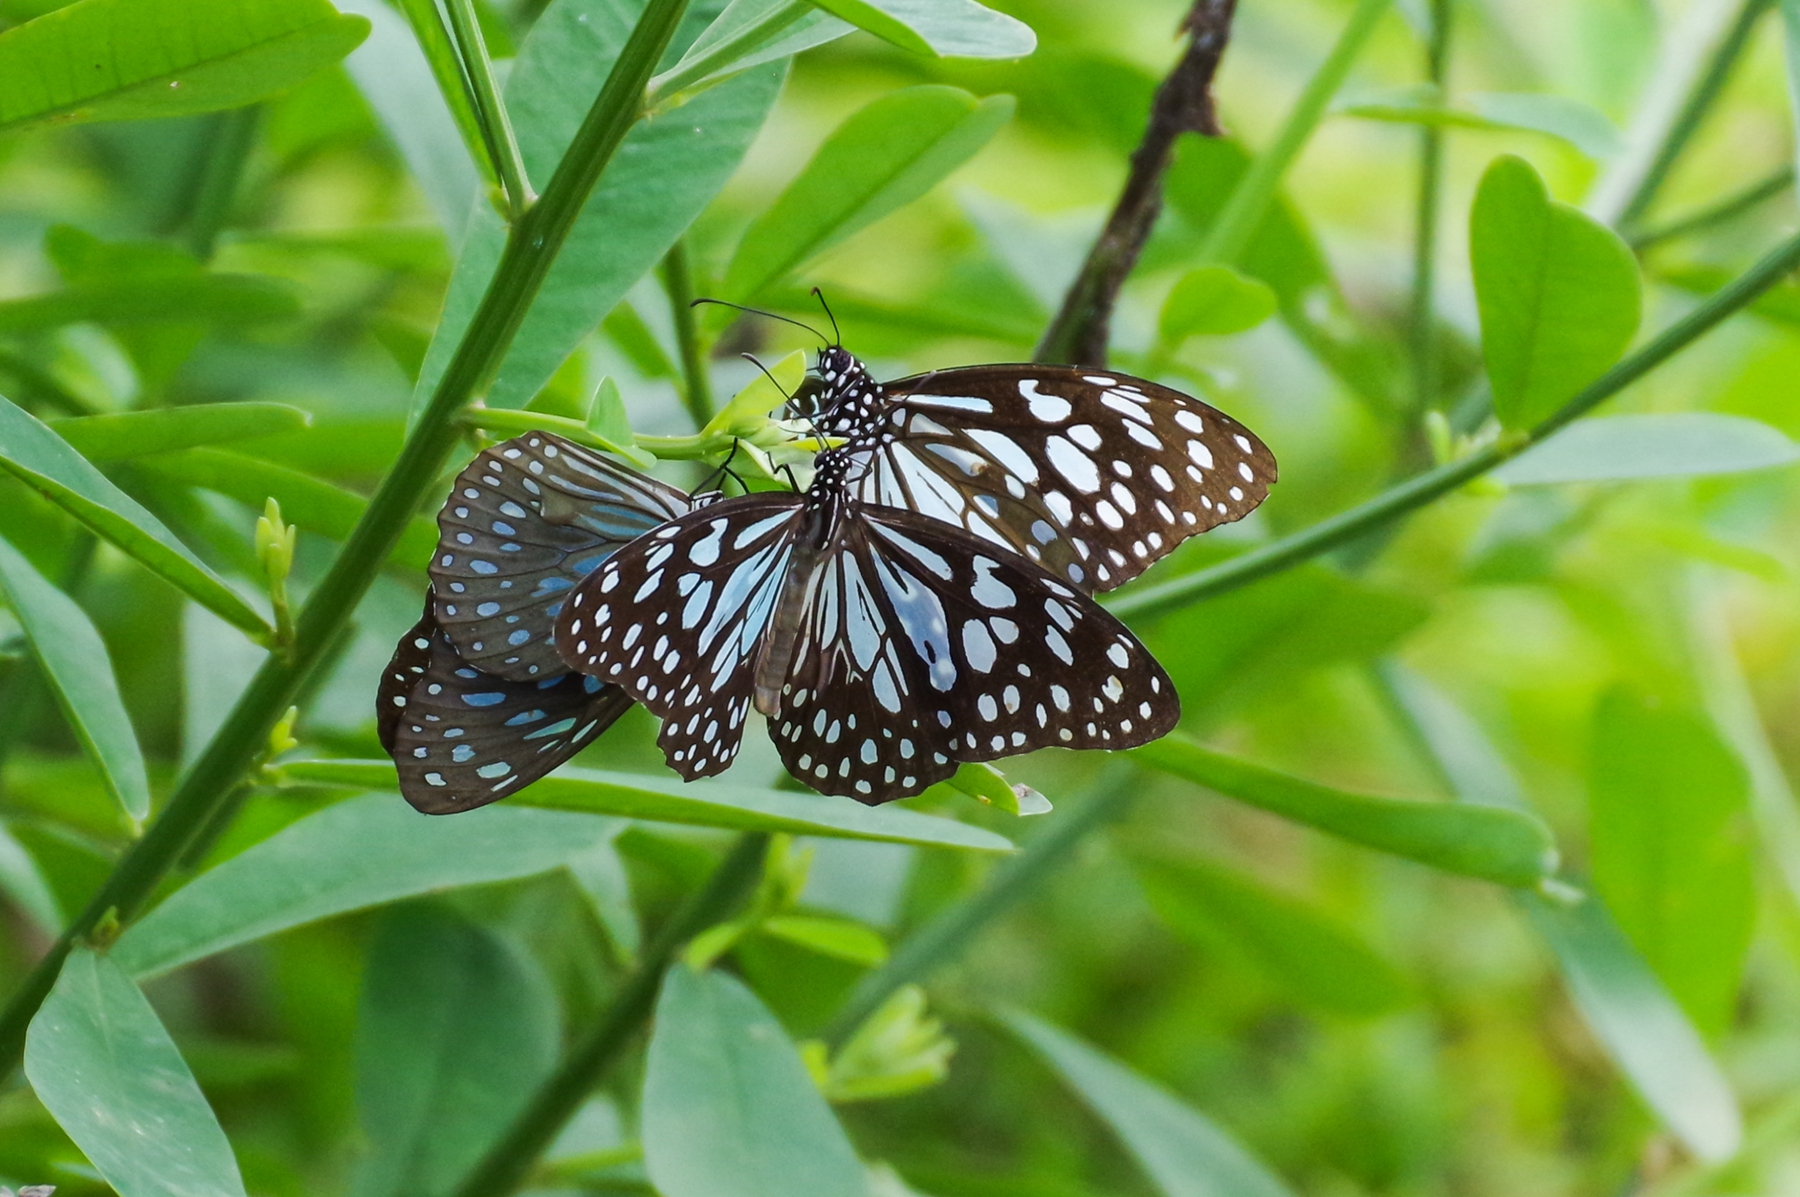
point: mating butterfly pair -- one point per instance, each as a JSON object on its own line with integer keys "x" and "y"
{"x": 924, "y": 603}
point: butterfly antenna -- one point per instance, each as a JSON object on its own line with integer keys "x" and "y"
{"x": 726, "y": 303}
{"x": 791, "y": 399}
{"x": 837, "y": 337}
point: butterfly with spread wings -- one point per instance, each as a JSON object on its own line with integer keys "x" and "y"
{"x": 1090, "y": 473}
{"x": 885, "y": 646}
{"x": 476, "y": 704}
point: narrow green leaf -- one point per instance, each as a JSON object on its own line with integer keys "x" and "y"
{"x": 46, "y": 463}
{"x": 362, "y": 852}
{"x": 1315, "y": 960}
{"x": 942, "y": 28}
{"x": 1651, "y": 445}
{"x": 1790, "y": 40}
{"x": 1185, "y": 1153}
{"x": 748, "y": 33}
{"x": 1214, "y": 301}
{"x": 1564, "y": 117}
{"x": 1558, "y": 292}
{"x": 80, "y": 674}
{"x": 121, "y": 435}
{"x": 1643, "y": 1029}
{"x": 885, "y": 156}
{"x": 665, "y": 172}
{"x": 829, "y": 937}
{"x": 1507, "y": 846}
{"x": 22, "y": 881}
{"x": 201, "y": 298}
{"x": 456, "y": 1029}
{"x": 714, "y": 804}
{"x": 1671, "y": 848}
{"x": 600, "y": 875}
{"x": 102, "y": 1064}
{"x": 728, "y": 1105}
{"x": 130, "y": 59}
{"x": 1623, "y": 1003}
{"x": 307, "y": 502}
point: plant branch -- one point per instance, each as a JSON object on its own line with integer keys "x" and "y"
{"x": 490, "y": 108}
{"x": 1183, "y": 104}
{"x": 678, "y": 281}
{"x": 507, "y": 1165}
{"x": 950, "y": 932}
{"x": 531, "y": 247}
{"x": 1417, "y": 491}
{"x": 1421, "y": 325}
{"x": 1729, "y": 208}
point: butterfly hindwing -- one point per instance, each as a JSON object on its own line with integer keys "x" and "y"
{"x": 526, "y": 521}
{"x": 462, "y": 738}
{"x": 925, "y": 646}
{"x": 676, "y": 617}
{"x": 1090, "y": 473}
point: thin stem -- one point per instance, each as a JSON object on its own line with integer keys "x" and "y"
{"x": 950, "y": 932}
{"x": 531, "y": 247}
{"x": 1699, "y": 102}
{"x": 507, "y": 1165}
{"x": 1183, "y": 104}
{"x": 234, "y": 136}
{"x": 1416, "y": 492}
{"x": 1422, "y": 325}
{"x": 490, "y": 108}
{"x": 1727, "y": 209}
{"x": 678, "y": 281}
{"x": 1250, "y": 199}
{"x": 684, "y": 74}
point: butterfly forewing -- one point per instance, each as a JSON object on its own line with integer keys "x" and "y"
{"x": 526, "y": 521}
{"x": 462, "y": 738}
{"x": 926, "y": 647}
{"x": 1092, "y": 474}
{"x": 676, "y": 618}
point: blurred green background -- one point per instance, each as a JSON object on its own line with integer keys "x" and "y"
{"x": 1627, "y": 651}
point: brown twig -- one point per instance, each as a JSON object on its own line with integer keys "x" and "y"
{"x": 1183, "y": 104}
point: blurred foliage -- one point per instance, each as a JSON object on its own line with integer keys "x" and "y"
{"x": 218, "y": 306}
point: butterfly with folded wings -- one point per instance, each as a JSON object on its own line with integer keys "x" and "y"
{"x": 476, "y": 704}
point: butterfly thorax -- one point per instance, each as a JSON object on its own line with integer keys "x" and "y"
{"x": 850, "y": 400}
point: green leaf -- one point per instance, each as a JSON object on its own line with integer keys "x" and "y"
{"x": 22, "y": 881}
{"x": 665, "y": 172}
{"x": 839, "y": 938}
{"x": 456, "y": 1030}
{"x": 1558, "y": 292}
{"x": 1184, "y": 1151}
{"x": 943, "y": 28}
{"x": 1314, "y": 959}
{"x": 102, "y": 60}
{"x": 748, "y": 33}
{"x": 898, "y": 1049}
{"x": 885, "y": 156}
{"x": 600, "y": 875}
{"x": 102, "y": 1064}
{"x": 1214, "y": 301}
{"x": 46, "y": 463}
{"x": 1651, "y": 445}
{"x": 1623, "y": 1003}
{"x": 1507, "y": 846}
{"x": 1671, "y": 848}
{"x": 121, "y": 435}
{"x": 362, "y": 852}
{"x": 199, "y": 298}
{"x": 1790, "y": 40}
{"x": 728, "y": 1105}
{"x": 80, "y": 674}
{"x": 1564, "y": 117}
{"x": 1640, "y": 1024}
{"x": 307, "y": 502}
{"x": 705, "y": 804}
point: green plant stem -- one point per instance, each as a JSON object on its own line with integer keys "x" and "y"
{"x": 667, "y": 88}
{"x": 531, "y": 247}
{"x": 949, "y": 933}
{"x": 1250, "y": 199}
{"x": 490, "y": 109}
{"x": 511, "y": 1161}
{"x": 678, "y": 281}
{"x": 233, "y": 137}
{"x": 1727, "y": 209}
{"x": 1417, "y": 491}
{"x": 1700, "y": 99}
{"x": 1421, "y": 324}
